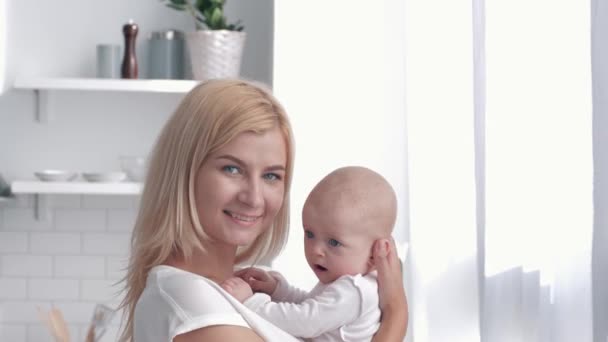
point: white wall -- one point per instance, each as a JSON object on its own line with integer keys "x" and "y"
{"x": 92, "y": 128}
{"x": 343, "y": 89}
{"x": 72, "y": 260}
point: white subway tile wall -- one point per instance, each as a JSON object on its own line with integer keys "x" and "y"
{"x": 72, "y": 261}
{"x": 13, "y": 242}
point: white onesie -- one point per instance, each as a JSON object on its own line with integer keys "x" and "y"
{"x": 345, "y": 310}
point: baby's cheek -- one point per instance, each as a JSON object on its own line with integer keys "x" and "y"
{"x": 353, "y": 266}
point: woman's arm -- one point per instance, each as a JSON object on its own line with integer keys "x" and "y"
{"x": 393, "y": 301}
{"x": 219, "y": 333}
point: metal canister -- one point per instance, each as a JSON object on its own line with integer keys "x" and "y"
{"x": 166, "y": 55}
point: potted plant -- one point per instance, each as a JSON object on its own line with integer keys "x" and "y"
{"x": 216, "y": 46}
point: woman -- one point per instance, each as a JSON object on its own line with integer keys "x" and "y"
{"x": 216, "y": 195}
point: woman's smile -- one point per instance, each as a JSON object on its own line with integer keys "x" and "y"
{"x": 244, "y": 218}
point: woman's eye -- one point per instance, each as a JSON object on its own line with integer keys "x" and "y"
{"x": 309, "y": 234}
{"x": 334, "y": 243}
{"x": 231, "y": 169}
{"x": 272, "y": 177}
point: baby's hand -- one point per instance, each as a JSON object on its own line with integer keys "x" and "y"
{"x": 238, "y": 288}
{"x": 258, "y": 279}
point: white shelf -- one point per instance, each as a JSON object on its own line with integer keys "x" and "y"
{"x": 85, "y": 188}
{"x": 105, "y": 84}
{"x": 42, "y": 189}
{"x": 44, "y": 104}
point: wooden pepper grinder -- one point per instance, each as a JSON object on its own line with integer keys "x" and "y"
{"x": 129, "y": 61}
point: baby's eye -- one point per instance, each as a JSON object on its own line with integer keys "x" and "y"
{"x": 309, "y": 234}
{"x": 272, "y": 176}
{"x": 334, "y": 243}
{"x": 231, "y": 169}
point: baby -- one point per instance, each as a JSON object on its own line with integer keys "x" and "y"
{"x": 342, "y": 217}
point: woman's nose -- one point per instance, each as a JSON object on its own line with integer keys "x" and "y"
{"x": 251, "y": 194}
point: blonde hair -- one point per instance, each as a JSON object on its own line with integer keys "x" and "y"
{"x": 208, "y": 118}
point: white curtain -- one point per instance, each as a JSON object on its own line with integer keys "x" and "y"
{"x": 539, "y": 171}
{"x": 479, "y": 112}
{"x": 522, "y": 246}
{"x": 441, "y": 150}
{"x": 3, "y": 35}
{"x": 599, "y": 42}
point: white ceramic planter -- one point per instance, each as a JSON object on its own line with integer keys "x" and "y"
{"x": 215, "y": 54}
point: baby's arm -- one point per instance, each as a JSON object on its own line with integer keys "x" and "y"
{"x": 238, "y": 288}
{"x": 338, "y": 304}
{"x": 273, "y": 284}
{"x": 258, "y": 279}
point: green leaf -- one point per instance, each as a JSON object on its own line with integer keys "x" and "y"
{"x": 233, "y": 27}
{"x": 177, "y": 7}
{"x": 238, "y": 26}
{"x": 205, "y": 12}
{"x": 203, "y": 5}
{"x": 216, "y": 21}
{"x": 199, "y": 17}
{"x": 199, "y": 23}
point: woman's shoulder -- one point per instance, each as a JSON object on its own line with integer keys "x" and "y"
{"x": 176, "y": 302}
{"x": 171, "y": 279}
{"x": 219, "y": 333}
{"x": 186, "y": 292}
{"x": 168, "y": 277}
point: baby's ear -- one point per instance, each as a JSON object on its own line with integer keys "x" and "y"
{"x": 371, "y": 263}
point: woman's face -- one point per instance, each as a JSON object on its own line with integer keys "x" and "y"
{"x": 239, "y": 189}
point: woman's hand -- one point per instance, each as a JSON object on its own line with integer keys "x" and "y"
{"x": 393, "y": 301}
{"x": 258, "y": 279}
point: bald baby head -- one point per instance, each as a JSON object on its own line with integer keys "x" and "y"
{"x": 358, "y": 197}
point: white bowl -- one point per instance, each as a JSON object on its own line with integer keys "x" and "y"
{"x": 104, "y": 177}
{"x": 55, "y": 175}
{"x": 135, "y": 167}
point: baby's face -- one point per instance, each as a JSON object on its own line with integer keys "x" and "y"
{"x": 335, "y": 243}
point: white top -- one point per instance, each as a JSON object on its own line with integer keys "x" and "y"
{"x": 175, "y": 301}
{"x": 345, "y": 310}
